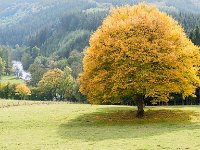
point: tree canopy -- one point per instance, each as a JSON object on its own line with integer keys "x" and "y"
{"x": 22, "y": 90}
{"x": 139, "y": 52}
{"x": 57, "y": 84}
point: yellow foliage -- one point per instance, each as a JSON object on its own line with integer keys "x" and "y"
{"x": 139, "y": 50}
{"x": 57, "y": 82}
{"x": 22, "y": 90}
{"x": 51, "y": 81}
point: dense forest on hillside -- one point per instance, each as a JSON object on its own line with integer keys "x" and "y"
{"x": 99, "y": 74}
{"x": 21, "y": 19}
{"x": 50, "y": 34}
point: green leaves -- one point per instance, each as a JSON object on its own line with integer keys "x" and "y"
{"x": 2, "y": 66}
{"x": 57, "y": 84}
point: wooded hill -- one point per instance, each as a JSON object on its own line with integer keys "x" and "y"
{"x": 51, "y": 34}
{"x": 22, "y": 19}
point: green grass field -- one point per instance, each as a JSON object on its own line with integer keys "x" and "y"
{"x": 62, "y": 126}
{"x": 11, "y": 79}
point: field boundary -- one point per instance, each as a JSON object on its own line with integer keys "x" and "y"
{"x": 29, "y": 103}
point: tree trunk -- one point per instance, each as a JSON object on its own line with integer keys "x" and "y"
{"x": 140, "y": 106}
{"x": 182, "y": 102}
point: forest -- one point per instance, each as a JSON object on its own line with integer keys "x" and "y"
{"x": 47, "y": 41}
{"x": 99, "y": 74}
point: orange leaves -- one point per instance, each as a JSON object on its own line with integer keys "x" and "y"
{"x": 22, "y": 90}
{"x": 139, "y": 50}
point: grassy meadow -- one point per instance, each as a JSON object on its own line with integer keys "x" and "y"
{"x": 11, "y": 79}
{"x": 61, "y": 126}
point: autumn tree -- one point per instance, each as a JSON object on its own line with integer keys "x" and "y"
{"x": 139, "y": 52}
{"x": 57, "y": 84}
{"x": 22, "y": 90}
{"x": 50, "y": 83}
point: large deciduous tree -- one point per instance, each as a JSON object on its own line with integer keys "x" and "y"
{"x": 139, "y": 52}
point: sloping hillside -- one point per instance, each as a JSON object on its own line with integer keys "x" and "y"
{"x": 19, "y": 19}
{"x": 22, "y": 18}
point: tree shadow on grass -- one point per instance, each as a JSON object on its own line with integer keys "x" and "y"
{"x": 119, "y": 123}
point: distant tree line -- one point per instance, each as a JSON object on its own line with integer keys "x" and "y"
{"x": 62, "y": 45}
